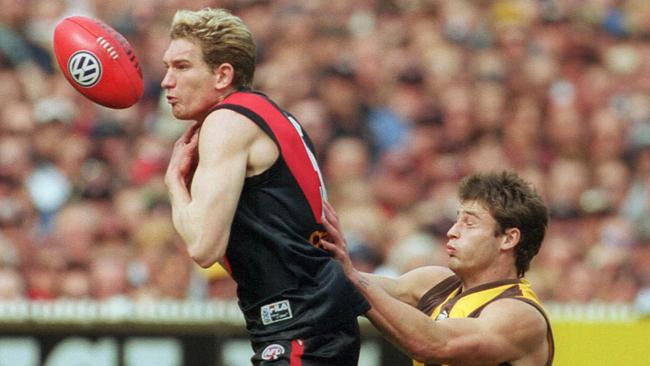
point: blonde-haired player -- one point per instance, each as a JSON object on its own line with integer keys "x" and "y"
{"x": 246, "y": 192}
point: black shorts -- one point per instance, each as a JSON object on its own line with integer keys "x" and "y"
{"x": 340, "y": 348}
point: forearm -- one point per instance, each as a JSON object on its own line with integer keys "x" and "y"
{"x": 393, "y": 301}
{"x": 196, "y": 227}
{"x": 386, "y": 283}
{"x": 204, "y": 244}
{"x": 389, "y": 285}
{"x": 183, "y": 224}
{"x": 180, "y": 200}
{"x": 402, "y": 324}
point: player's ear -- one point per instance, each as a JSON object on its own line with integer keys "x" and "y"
{"x": 511, "y": 237}
{"x": 224, "y": 75}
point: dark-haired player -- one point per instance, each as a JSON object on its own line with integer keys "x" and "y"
{"x": 480, "y": 310}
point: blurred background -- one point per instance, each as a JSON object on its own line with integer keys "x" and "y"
{"x": 401, "y": 98}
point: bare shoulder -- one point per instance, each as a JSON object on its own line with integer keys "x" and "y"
{"x": 228, "y": 131}
{"x": 225, "y": 122}
{"x": 417, "y": 282}
{"x": 522, "y": 311}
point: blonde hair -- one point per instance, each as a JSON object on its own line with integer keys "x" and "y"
{"x": 223, "y": 38}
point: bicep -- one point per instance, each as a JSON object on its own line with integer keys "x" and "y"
{"x": 388, "y": 284}
{"x": 219, "y": 181}
{"x": 506, "y": 330}
{"x": 224, "y": 144}
{"x": 411, "y": 286}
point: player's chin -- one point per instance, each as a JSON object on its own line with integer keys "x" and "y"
{"x": 180, "y": 113}
{"x": 454, "y": 264}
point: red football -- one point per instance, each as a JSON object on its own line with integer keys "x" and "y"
{"x": 98, "y": 61}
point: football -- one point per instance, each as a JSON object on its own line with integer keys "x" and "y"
{"x": 98, "y": 61}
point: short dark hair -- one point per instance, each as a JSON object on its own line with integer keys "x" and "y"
{"x": 513, "y": 203}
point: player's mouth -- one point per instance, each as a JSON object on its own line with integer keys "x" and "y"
{"x": 172, "y": 100}
{"x": 451, "y": 250}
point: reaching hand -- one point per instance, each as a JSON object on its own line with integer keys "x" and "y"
{"x": 335, "y": 242}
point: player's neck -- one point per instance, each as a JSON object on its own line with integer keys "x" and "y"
{"x": 216, "y": 101}
{"x": 492, "y": 274}
{"x": 226, "y": 93}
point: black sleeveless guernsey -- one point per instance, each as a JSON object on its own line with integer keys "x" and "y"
{"x": 287, "y": 285}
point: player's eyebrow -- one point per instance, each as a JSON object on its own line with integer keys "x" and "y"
{"x": 176, "y": 61}
{"x": 468, "y": 213}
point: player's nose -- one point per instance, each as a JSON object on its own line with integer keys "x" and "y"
{"x": 453, "y": 233}
{"x": 167, "y": 82}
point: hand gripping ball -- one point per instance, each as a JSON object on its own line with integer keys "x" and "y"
{"x": 98, "y": 62}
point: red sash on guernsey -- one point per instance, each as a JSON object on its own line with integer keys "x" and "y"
{"x": 292, "y": 146}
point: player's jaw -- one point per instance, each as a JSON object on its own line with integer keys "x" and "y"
{"x": 453, "y": 261}
{"x": 189, "y": 110}
{"x": 177, "y": 106}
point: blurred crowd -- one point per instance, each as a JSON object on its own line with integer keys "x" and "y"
{"x": 401, "y": 98}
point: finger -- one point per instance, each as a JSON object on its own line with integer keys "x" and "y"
{"x": 330, "y": 243}
{"x": 186, "y": 135}
{"x": 189, "y": 133}
{"x": 180, "y": 142}
{"x": 338, "y": 253}
{"x": 331, "y": 230}
{"x": 195, "y": 126}
{"x": 330, "y": 210}
{"x": 327, "y": 245}
{"x": 328, "y": 206}
{"x": 194, "y": 140}
{"x": 331, "y": 248}
{"x": 330, "y": 215}
{"x": 195, "y": 129}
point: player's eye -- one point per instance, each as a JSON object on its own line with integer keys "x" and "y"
{"x": 467, "y": 221}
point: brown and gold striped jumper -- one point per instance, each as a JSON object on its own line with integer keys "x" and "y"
{"x": 445, "y": 300}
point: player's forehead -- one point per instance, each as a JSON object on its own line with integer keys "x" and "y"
{"x": 474, "y": 208}
{"x": 182, "y": 50}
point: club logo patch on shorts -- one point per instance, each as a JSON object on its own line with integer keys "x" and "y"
{"x": 272, "y": 352}
{"x": 276, "y": 312}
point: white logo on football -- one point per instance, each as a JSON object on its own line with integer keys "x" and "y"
{"x": 85, "y": 68}
{"x": 272, "y": 352}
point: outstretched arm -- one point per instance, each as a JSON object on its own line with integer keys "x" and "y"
{"x": 490, "y": 339}
{"x": 408, "y": 288}
{"x": 396, "y": 319}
